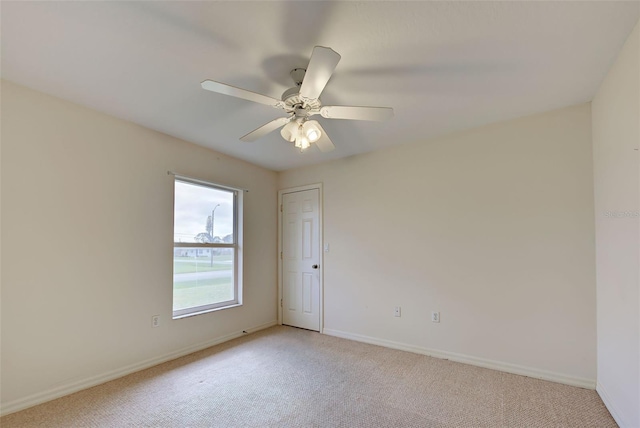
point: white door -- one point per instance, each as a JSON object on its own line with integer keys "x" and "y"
{"x": 301, "y": 259}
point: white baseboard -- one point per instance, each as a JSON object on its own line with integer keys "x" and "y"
{"x": 71, "y": 387}
{"x": 467, "y": 359}
{"x": 615, "y": 412}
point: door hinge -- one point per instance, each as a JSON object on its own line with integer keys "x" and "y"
{"x": 280, "y": 302}
{"x": 280, "y": 255}
{"x": 280, "y": 207}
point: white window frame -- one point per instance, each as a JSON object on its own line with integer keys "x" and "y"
{"x": 236, "y": 246}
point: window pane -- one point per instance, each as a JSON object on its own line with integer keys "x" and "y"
{"x": 202, "y": 276}
{"x": 202, "y": 214}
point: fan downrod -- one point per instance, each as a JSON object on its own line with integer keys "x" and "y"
{"x": 291, "y": 97}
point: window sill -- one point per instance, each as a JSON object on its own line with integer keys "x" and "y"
{"x": 206, "y": 311}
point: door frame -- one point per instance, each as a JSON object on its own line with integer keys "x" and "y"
{"x": 320, "y": 249}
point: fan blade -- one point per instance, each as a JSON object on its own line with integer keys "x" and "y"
{"x": 321, "y": 65}
{"x": 225, "y": 89}
{"x": 265, "y": 129}
{"x": 357, "y": 113}
{"x": 324, "y": 143}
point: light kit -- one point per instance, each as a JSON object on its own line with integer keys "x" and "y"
{"x": 302, "y": 132}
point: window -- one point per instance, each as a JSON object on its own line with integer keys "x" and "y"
{"x": 207, "y": 258}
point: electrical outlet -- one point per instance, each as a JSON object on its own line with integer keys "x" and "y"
{"x": 155, "y": 321}
{"x": 396, "y": 312}
{"x": 435, "y": 316}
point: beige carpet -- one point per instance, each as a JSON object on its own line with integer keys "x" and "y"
{"x": 286, "y": 377}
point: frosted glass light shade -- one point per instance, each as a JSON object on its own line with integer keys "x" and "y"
{"x": 311, "y": 130}
{"x": 290, "y": 131}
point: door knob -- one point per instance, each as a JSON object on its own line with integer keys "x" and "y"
{"x": 315, "y": 266}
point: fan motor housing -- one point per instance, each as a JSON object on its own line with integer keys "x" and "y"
{"x": 292, "y": 100}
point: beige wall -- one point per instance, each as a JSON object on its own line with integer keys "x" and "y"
{"x": 87, "y": 212}
{"x": 616, "y": 139}
{"x": 492, "y": 227}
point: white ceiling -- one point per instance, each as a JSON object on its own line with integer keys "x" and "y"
{"x": 443, "y": 66}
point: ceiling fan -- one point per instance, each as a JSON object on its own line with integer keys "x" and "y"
{"x": 303, "y": 101}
